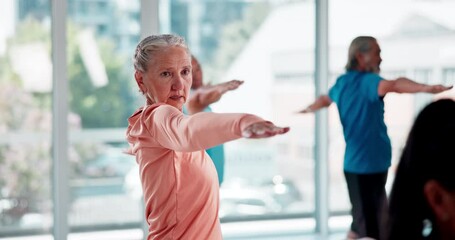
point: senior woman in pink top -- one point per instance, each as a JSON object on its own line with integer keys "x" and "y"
{"x": 179, "y": 180}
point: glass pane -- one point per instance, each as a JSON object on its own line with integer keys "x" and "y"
{"x": 25, "y": 118}
{"x": 266, "y": 44}
{"x": 102, "y": 35}
{"x": 416, "y": 41}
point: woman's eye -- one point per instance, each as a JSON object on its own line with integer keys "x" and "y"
{"x": 186, "y": 72}
{"x": 165, "y": 74}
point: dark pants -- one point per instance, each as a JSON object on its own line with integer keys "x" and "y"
{"x": 369, "y": 202}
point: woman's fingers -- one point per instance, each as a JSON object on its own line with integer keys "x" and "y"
{"x": 234, "y": 84}
{"x": 263, "y": 130}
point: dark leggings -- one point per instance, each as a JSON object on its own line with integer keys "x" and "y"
{"x": 369, "y": 201}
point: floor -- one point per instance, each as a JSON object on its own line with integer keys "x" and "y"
{"x": 137, "y": 235}
{"x": 290, "y": 229}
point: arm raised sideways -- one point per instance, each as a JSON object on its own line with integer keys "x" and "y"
{"x": 206, "y": 95}
{"x": 322, "y": 101}
{"x": 405, "y": 85}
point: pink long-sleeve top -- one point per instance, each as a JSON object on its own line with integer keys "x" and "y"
{"x": 179, "y": 180}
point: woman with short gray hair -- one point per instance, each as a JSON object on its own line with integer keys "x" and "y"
{"x": 179, "y": 180}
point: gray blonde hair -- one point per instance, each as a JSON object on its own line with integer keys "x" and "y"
{"x": 362, "y": 44}
{"x": 152, "y": 44}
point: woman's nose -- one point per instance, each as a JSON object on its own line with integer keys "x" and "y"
{"x": 177, "y": 84}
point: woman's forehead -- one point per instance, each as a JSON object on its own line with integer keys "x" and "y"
{"x": 171, "y": 56}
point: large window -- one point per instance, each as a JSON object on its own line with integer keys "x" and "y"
{"x": 26, "y": 117}
{"x": 266, "y": 44}
{"x": 102, "y": 35}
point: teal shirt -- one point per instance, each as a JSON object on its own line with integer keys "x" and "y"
{"x": 361, "y": 110}
{"x": 216, "y": 153}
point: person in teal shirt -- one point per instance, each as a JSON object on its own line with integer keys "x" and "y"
{"x": 359, "y": 95}
{"x": 201, "y": 97}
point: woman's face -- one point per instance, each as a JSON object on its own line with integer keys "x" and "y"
{"x": 168, "y": 78}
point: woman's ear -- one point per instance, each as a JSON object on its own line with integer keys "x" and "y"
{"x": 360, "y": 58}
{"x": 139, "y": 76}
{"x": 440, "y": 200}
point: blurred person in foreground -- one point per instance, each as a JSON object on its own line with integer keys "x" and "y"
{"x": 201, "y": 96}
{"x": 422, "y": 200}
{"x": 359, "y": 95}
{"x": 179, "y": 180}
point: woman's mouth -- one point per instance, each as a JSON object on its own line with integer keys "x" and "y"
{"x": 176, "y": 97}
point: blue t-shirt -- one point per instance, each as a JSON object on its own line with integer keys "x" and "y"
{"x": 361, "y": 109}
{"x": 216, "y": 153}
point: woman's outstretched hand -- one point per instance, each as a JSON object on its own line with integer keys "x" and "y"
{"x": 263, "y": 130}
{"x": 230, "y": 85}
{"x": 306, "y": 110}
{"x": 438, "y": 88}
